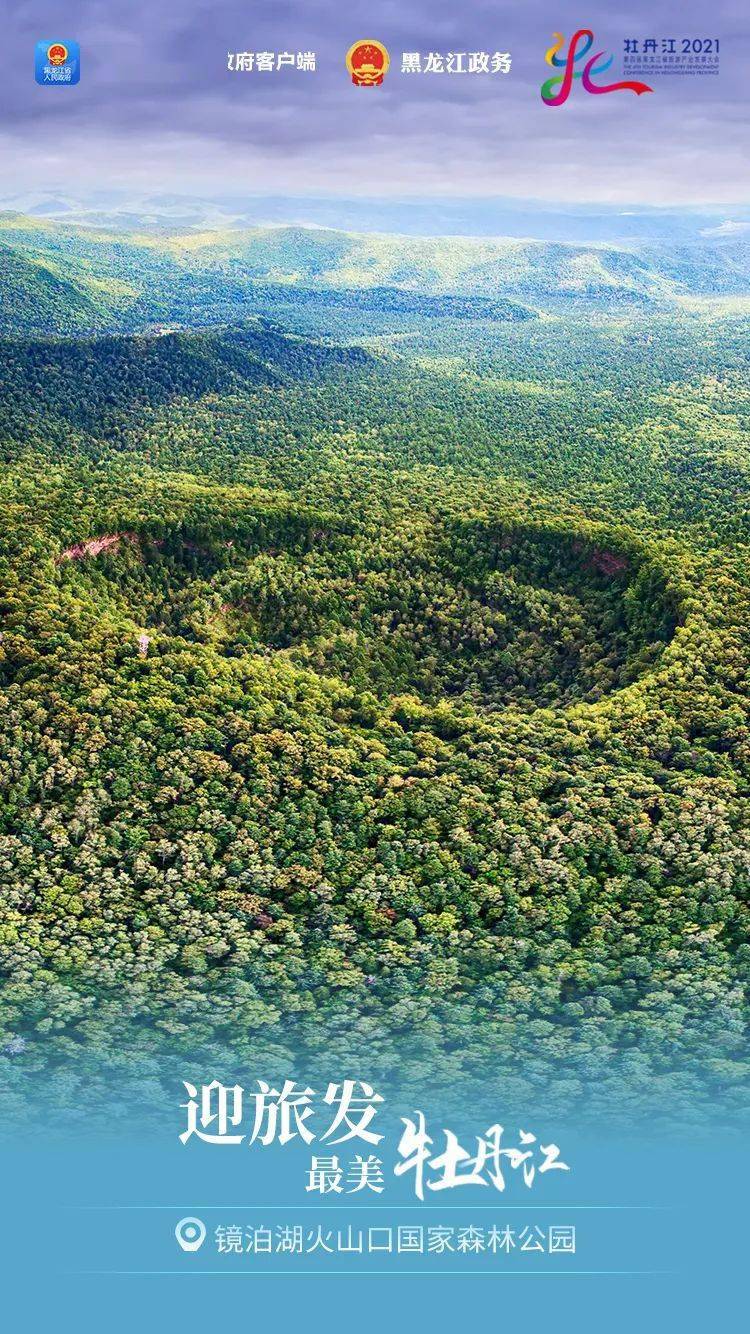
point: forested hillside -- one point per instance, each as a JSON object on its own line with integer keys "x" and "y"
{"x": 57, "y": 279}
{"x": 36, "y": 298}
{"x": 374, "y": 678}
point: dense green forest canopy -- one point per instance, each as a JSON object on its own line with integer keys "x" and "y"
{"x": 374, "y": 676}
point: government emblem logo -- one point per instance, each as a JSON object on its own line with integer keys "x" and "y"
{"x": 367, "y": 62}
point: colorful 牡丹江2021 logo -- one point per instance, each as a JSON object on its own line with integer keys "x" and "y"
{"x": 57, "y": 64}
{"x": 557, "y": 90}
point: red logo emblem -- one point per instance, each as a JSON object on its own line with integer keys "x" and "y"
{"x": 57, "y": 54}
{"x": 367, "y": 62}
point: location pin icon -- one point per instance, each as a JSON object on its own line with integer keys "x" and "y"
{"x": 190, "y": 1233}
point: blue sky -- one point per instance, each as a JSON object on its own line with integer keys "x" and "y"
{"x": 157, "y": 109}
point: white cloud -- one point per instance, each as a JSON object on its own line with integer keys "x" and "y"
{"x": 727, "y": 228}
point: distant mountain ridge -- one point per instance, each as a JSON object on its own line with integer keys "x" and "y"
{"x": 57, "y": 278}
{"x": 577, "y": 223}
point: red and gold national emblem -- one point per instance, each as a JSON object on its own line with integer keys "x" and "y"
{"x": 57, "y": 54}
{"x": 367, "y": 62}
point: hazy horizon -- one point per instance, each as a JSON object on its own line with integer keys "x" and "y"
{"x": 582, "y": 222}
